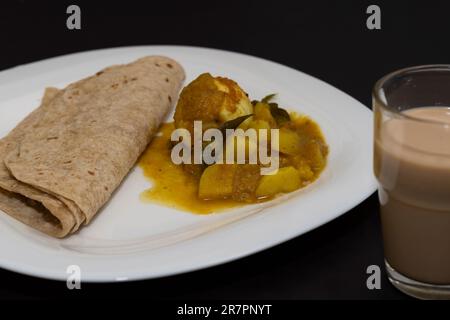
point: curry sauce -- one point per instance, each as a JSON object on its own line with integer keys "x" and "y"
{"x": 176, "y": 187}
{"x": 172, "y": 185}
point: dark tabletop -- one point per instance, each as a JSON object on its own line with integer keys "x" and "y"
{"x": 326, "y": 39}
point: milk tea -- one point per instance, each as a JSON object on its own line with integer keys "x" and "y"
{"x": 412, "y": 165}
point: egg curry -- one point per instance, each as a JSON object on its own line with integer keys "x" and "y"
{"x": 200, "y": 188}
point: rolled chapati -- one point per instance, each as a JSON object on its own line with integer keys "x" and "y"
{"x": 61, "y": 164}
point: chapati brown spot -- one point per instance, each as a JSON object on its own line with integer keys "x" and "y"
{"x": 67, "y": 162}
{"x": 157, "y": 64}
{"x": 52, "y": 138}
{"x": 133, "y": 79}
{"x": 125, "y": 81}
{"x": 40, "y": 173}
{"x": 167, "y": 79}
{"x": 99, "y": 73}
{"x": 170, "y": 98}
{"x": 92, "y": 173}
{"x": 106, "y": 188}
{"x": 169, "y": 66}
{"x": 115, "y": 85}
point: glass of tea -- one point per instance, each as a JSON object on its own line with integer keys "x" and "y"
{"x": 412, "y": 165}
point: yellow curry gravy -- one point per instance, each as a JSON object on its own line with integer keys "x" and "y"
{"x": 172, "y": 185}
{"x": 175, "y": 187}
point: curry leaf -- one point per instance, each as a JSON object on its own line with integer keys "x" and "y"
{"x": 269, "y": 97}
{"x": 279, "y": 114}
{"x": 233, "y": 124}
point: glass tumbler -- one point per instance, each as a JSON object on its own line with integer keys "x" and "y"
{"x": 412, "y": 166}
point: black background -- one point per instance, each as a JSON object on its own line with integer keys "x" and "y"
{"x": 327, "y": 39}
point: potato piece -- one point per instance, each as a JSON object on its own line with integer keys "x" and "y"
{"x": 216, "y": 182}
{"x": 290, "y": 142}
{"x": 262, "y": 112}
{"x": 313, "y": 154}
{"x": 245, "y": 182}
{"x": 259, "y": 124}
{"x": 287, "y": 179}
{"x": 305, "y": 172}
{"x": 260, "y": 108}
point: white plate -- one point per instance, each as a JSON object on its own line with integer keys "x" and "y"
{"x": 131, "y": 240}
